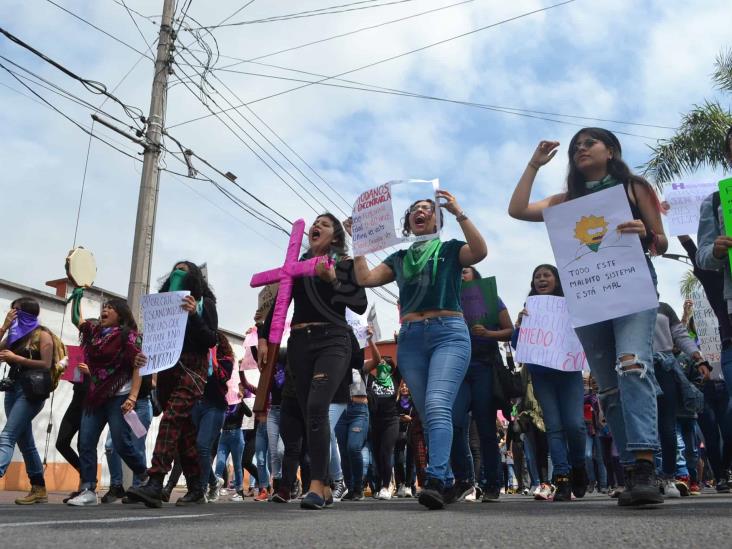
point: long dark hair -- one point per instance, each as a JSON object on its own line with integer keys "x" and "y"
{"x": 338, "y": 246}
{"x": 122, "y": 308}
{"x": 616, "y": 167}
{"x": 27, "y": 305}
{"x": 406, "y": 229}
{"x": 558, "y": 291}
{"x": 476, "y": 274}
{"x": 194, "y": 282}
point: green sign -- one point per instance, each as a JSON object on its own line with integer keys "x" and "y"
{"x": 479, "y": 300}
{"x": 725, "y": 200}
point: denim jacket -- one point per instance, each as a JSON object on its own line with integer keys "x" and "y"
{"x": 711, "y": 225}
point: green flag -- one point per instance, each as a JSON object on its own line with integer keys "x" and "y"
{"x": 479, "y": 300}
{"x": 725, "y": 200}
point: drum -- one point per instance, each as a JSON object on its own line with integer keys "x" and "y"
{"x": 81, "y": 267}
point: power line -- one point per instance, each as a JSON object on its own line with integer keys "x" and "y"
{"x": 129, "y": 12}
{"x": 150, "y": 18}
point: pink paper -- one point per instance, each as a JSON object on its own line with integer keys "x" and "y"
{"x": 135, "y": 424}
{"x": 75, "y": 356}
{"x": 251, "y": 339}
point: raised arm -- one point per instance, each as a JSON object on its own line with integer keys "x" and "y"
{"x": 365, "y": 277}
{"x": 371, "y": 363}
{"x": 520, "y": 207}
{"x": 475, "y": 248}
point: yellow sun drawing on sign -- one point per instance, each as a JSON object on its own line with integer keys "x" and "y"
{"x": 590, "y": 230}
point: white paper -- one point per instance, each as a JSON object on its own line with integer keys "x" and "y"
{"x": 376, "y": 226}
{"x": 374, "y": 323}
{"x": 360, "y": 325}
{"x": 604, "y": 273}
{"x": 164, "y": 322}
{"x": 707, "y": 331}
{"x": 684, "y": 202}
{"x": 547, "y": 338}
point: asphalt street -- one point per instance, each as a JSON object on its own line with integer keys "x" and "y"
{"x": 515, "y": 521}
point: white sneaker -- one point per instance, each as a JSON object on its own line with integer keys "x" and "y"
{"x": 408, "y": 492}
{"x": 87, "y": 497}
{"x": 237, "y": 497}
{"x": 401, "y": 492}
{"x": 470, "y": 496}
{"x": 545, "y": 492}
{"x": 384, "y": 493}
{"x": 669, "y": 490}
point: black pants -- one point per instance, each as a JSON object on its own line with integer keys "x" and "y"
{"x": 667, "y": 405}
{"x": 404, "y": 461}
{"x": 384, "y": 434}
{"x": 292, "y": 431}
{"x": 70, "y": 425}
{"x": 247, "y": 457}
{"x": 319, "y": 358}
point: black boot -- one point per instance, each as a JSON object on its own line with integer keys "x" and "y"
{"x": 563, "y": 491}
{"x": 645, "y": 488}
{"x": 149, "y": 493}
{"x": 432, "y": 494}
{"x": 579, "y": 481}
{"x": 195, "y": 494}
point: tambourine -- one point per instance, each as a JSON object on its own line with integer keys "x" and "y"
{"x": 81, "y": 267}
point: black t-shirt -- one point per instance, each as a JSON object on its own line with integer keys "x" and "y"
{"x": 201, "y": 330}
{"x": 382, "y": 400}
{"x": 212, "y": 392}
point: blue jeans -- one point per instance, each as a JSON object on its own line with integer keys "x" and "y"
{"x": 561, "y": 397}
{"x": 726, "y": 360}
{"x": 92, "y": 425}
{"x": 687, "y": 437}
{"x": 19, "y": 414}
{"x": 627, "y": 395}
{"x": 433, "y": 356}
{"x": 593, "y": 455}
{"x": 351, "y": 432}
{"x": 261, "y": 453}
{"x": 231, "y": 442}
{"x": 716, "y": 425}
{"x": 208, "y": 419}
{"x": 276, "y": 447}
{"x": 143, "y": 409}
{"x": 335, "y": 412}
{"x": 476, "y": 395}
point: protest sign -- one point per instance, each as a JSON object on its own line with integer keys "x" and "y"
{"x": 683, "y": 201}
{"x": 164, "y": 322}
{"x": 479, "y": 300}
{"x": 547, "y": 338}
{"x": 707, "y": 331}
{"x": 725, "y": 200}
{"x": 374, "y": 323}
{"x": 360, "y": 325}
{"x": 378, "y": 214}
{"x": 604, "y": 273}
{"x": 74, "y": 357}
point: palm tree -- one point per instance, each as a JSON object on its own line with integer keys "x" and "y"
{"x": 688, "y": 284}
{"x": 698, "y": 140}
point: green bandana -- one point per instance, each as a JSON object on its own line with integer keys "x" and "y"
{"x": 176, "y": 280}
{"x": 604, "y": 183}
{"x": 418, "y": 255}
{"x": 75, "y": 300}
{"x": 383, "y": 375}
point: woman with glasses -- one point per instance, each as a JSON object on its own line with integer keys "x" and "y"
{"x": 619, "y": 351}
{"x": 434, "y": 343}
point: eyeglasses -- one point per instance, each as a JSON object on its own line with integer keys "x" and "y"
{"x": 584, "y": 144}
{"x": 421, "y": 208}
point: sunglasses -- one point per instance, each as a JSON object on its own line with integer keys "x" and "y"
{"x": 421, "y": 208}
{"x": 585, "y": 144}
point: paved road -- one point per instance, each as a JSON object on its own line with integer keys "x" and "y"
{"x": 516, "y": 521}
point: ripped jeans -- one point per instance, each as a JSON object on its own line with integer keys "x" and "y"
{"x": 628, "y": 388}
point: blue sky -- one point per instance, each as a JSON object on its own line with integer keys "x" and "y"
{"x": 631, "y": 61}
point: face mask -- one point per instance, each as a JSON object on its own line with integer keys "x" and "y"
{"x": 176, "y": 280}
{"x": 23, "y": 324}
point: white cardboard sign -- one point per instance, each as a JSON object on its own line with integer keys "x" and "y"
{"x": 604, "y": 273}
{"x": 684, "y": 202}
{"x": 547, "y": 338}
{"x": 360, "y": 325}
{"x": 707, "y": 331}
{"x": 164, "y": 323}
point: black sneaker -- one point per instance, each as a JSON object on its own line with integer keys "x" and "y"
{"x": 282, "y": 495}
{"x": 644, "y": 489}
{"x": 431, "y": 495}
{"x": 579, "y": 481}
{"x": 72, "y": 495}
{"x": 114, "y": 493}
{"x": 563, "y": 490}
{"x": 165, "y": 494}
{"x": 348, "y": 496}
{"x": 339, "y": 490}
{"x": 491, "y": 494}
{"x": 357, "y": 494}
{"x": 723, "y": 486}
{"x": 150, "y": 493}
{"x": 194, "y": 496}
{"x": 296, "y": 490}
{"x": 312, "y": 501}
{"x": 459, "y": 490}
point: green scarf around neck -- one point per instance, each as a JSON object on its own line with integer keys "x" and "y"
{"x": 418, "y": 255}
{"x": 604, "y": 183}
{"x": 383, "y": 375}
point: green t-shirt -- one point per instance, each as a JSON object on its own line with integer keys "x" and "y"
{"x": 422, "y": 293}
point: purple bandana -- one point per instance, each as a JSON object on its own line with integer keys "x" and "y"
{"x": 23, "y": 324}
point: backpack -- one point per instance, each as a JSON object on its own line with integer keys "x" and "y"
{"x": 59, "y": 352}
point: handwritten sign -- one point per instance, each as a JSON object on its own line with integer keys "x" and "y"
{"x": 74, "y": 357}
{"x": 479, "y": 301}
{"x": 360, "y": 325}
{"x": 604, "y": 273}
{"x": 684, "y": 201}
{"x": 547, "y": 338}
{"x": 707, "y": 331}
{"x": 165, "y": 327}
{"x": 374, "y": 322}
{"x": 725, "y": 200}
{"x": 374, "y": 226}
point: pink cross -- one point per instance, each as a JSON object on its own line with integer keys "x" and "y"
{"x": 285, "y": 275}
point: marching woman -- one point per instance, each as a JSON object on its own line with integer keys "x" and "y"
{"x": 27, "y": 348}
{"x": 180, "y": 388}
{"x": 618, "y": 350}
{"x": 319, "y": 348}
{"x": 110, "y": 348}
{"x": 561, "y": 397}
{"x": 434, "y": 343}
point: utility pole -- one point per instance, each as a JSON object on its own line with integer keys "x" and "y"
{"x": 148, "y": 198}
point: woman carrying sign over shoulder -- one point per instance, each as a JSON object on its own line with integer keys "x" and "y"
{"x": 561, "y": 397}
{"x": 619, "y": 350}
{"x": 434, "y": 343}
{"x": 319, "y": 348}
{"x": 180, "y": 388}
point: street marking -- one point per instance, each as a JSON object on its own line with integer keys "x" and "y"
{"x": 100, "y": 521}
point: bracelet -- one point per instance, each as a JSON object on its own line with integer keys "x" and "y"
{"x": 461, "y": 217}
{"x": 535, "y": 166}
{"x": 132, "y": 399}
